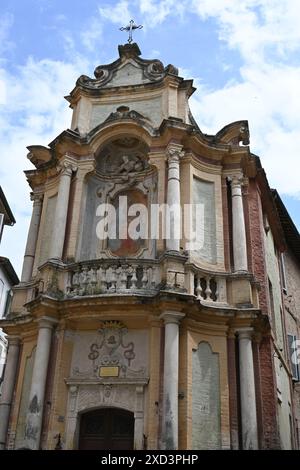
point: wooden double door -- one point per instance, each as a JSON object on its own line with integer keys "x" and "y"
{"x": 106, "y": 429}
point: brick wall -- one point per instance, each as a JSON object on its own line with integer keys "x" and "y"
{"x": 267, "y": 406}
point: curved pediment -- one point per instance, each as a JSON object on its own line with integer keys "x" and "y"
{"x": 234, "y": 133}
{"x": 130, "y": 69}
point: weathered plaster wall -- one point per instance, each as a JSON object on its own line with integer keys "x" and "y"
{"x": 20, "y": 434}
{"x": 187, "y": 419}
{"x": 282, "y": 378}
{"x": 273, "y": 274}
{"x": 149, "y": 108}
{"x": 206, "y": 190}
{"x": 292, "y": 319}
{"x": 292, "y": 296}
{"x": 284, "y": 405}
{"x": 206, "y": 399}
{"x": 204, "y": 197}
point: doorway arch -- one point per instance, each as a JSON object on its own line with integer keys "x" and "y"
{"x": 106, "y": 429}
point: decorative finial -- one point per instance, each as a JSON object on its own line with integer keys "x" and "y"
{"x": 131, "y": 27}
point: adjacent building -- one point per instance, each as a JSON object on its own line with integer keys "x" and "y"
{"x": 170, "y": 340}
{"x": 289, "y": 263}
{"x": 8, "y": 278}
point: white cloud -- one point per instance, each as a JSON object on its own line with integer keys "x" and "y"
{"x": 254, "y": 26}
{"x": 116, "y": 14}
{"x": 92, "y": 34}
{"x": 266, "y": 33}
{"x": 6, "y": 21}
{"x": 156, "y": 12}
{"x": 33, "y": 113}
{"x": 269, "y": 99}
{"x": 152, "y": 12}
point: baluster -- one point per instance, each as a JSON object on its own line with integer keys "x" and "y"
{"x": 216, "y": 293}
{"x": 145, "y": 277}
{"x": 123, "y": 277}
{"x": 208, "y": 291}
{"x": 113, "y": 279}
{"x": 102, "y": 278}
{"x": 153, "y": 276}
{"x": 199, "y": 288}
{"x": 133, "y": 278}
{"x": 93, "y": 278}
{"x": 118, "y": 271}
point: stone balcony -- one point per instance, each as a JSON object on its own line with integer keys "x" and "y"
{"x": 131, "y": 276}
{"x": 172, "y": 273}
{"x": 110, "y": 276}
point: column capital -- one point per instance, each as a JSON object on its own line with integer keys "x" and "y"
{"x": 13, "y": 340}
{"x": 66, "y": 168}
{"x": 245, "y": 333}
{"x": 174, "y": 153}
{"x": 172, "y": 317}
{"x": 237, "y": 180}
{"x": 36, "y": 198}
{"x": 47, "y": 322}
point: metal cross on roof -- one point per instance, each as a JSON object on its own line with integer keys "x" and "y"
{"x": 131, "y": 27}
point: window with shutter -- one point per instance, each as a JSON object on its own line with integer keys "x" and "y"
{"x": 294, "y": 344}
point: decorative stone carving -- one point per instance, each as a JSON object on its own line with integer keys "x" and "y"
{"x": 151, "y": 70}
{"x": 112, "y": 350}
{"x": 174, "y": 155}
{"x": 107, "y": 276}
{"x": 110, "y": 356}
{"x": 171, "y": 69}
{"x": 66, "y": 168}
{"x": 122, "y": 158}
{"x": 73, "y": 396}
{"x": 101, "y": 74}
{"x": 244, "y": 135}
{"x": 155, "y": 70}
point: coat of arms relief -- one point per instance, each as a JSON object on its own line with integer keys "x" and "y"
{"x": 112, "y": 355}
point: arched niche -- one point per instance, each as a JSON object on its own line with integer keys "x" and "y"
{"x": 122, "y": 169}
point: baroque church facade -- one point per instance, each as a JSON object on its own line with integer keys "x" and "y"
{"x": 145, "y": 343}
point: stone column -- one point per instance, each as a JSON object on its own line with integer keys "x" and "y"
{"x": 61, "y": 211}
{"x": 8, "y": 387}
{"x": 169, "y": 438}
{"x": 247, "y": 390}
{"x": 173, "y": 198}
{"x": 139, "y": 418}
{"x": 38, "y": 384}
{"x": 32, "y": 237}
{"x": 238, "y": 226}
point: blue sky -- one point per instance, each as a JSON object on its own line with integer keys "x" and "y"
{"x": 243, "y": 56}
